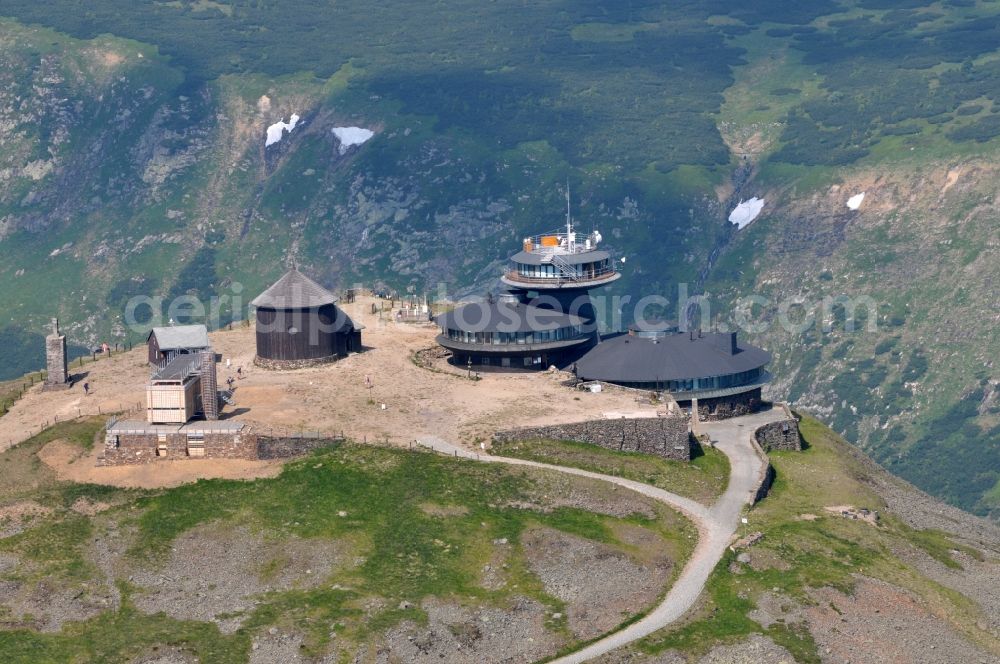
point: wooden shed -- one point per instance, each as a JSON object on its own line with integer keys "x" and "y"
{"x": 165, "y": 343}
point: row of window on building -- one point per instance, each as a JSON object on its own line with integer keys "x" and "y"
{"x": 516, "y": 338}
{"x": 695, "y": 384}
{"x": 550, "y": 271}
{"x": 527, "y": 361}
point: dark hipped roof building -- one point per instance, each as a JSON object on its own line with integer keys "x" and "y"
{"x": 546, "y": 318}
{"x": 300, "y": 325}
{"x": 723, "y": 374}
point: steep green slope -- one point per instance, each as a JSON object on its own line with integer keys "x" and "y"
{"x": 139, "y": 168}
{"x": 915, "y": 383}
{"x": 915, "y": 585}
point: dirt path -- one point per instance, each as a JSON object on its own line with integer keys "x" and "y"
{"x": 716, "y": 525}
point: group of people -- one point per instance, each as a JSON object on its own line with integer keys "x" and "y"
{"x": 230, "y": 381}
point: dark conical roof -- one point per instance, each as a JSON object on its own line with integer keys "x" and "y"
{"x": 294, "y": 291}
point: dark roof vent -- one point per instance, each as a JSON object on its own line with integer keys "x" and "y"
{"x": 727, "y": 343}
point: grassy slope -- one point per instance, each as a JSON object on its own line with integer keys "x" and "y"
{"x": 801, "y": 554}
{"x": 408, "y": 553}
{"x": 905, "y": 393}
{"x": 703, "y": 479}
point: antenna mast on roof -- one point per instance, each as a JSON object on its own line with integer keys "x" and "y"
{"x": 570, "y": 238}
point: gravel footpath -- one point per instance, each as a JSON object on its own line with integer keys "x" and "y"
{"x": 716, "y": 525}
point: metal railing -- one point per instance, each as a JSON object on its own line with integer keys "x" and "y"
{"x": 567, "y": 269}
{"x": 540, "y": 243}
{"x": 587, "y": 275}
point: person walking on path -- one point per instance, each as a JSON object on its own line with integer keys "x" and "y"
{"x": 86, "y": 389}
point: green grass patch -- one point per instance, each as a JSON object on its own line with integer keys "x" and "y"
{"x": 55, "y": 546}
{"x": 704, "y": 478}
{"x": 937, "y": 544}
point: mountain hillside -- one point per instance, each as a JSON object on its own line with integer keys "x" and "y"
{"x": 134, "y": 162}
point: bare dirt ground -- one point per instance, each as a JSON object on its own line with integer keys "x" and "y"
{"x": 17, "y": 517}
{"x": 979, "y": 580}
{"x": 600, "y": 586}
{"x": 881, "y": 623}
{"x": 48, "y": 604}
{"x": 243, "y": 567}
{"x": 470, "y": 633}
{"x": 71, "y": 464}
{"x": 418, "y": 401}
{"x": 330, "y": 399}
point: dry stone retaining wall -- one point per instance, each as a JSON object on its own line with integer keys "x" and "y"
{"x": 141, "y": 447}
{"x": 782, "y": 435}
{"x": 667, "y": 437}
{"x": 723, "y": 408}
{"x": 285, "y": 448}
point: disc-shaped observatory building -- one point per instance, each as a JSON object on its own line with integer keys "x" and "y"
{"x": 720, "y": 373}
{"x": 545, "y": 318}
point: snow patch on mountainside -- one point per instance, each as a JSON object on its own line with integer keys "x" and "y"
{"x": 349, "y": 136}
{"x": 277, "y": 131}
{"x": 746, "y": 212}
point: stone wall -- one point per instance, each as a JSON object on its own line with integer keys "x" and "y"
{"x": 722, "y": 408}
{"x": 764, "y": 483}
{"x": 285, "y": 448}
{"x": 136, "y": 448}
{"x": 780, "y": 435}
{"x": 289, "y": 365}
{"x": 132, "y": 448}
{"x": 666, "y": 437}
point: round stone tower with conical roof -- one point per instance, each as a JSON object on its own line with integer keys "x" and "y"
{"x": 300, "y": 325}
